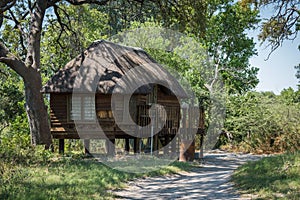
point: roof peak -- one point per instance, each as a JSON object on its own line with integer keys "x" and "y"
{"x": 102, "y": 41}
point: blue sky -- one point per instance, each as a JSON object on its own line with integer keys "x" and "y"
{"x": 278, "y": 71}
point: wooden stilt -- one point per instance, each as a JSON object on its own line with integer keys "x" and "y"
{"x": 110, "y": 145}
{"x": 127, "y": 146}
{"x": 201, "y": 131}
{"x": 174, "y": 147}
{"x": 155, "y": 144}
{"x": 61, "y": 146}
{"x": 201, "y": 154}
{"x": 86, "y": 143}
{"x": 136, "y": 145}
{"x": 166, "y": 142}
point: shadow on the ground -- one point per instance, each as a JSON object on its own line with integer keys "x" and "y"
{"x": 210, "y": 180}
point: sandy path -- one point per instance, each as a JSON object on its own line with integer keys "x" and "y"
{"x": 208, "y": 181}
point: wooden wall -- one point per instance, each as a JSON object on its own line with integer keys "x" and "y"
{"x": 62, "y": 127}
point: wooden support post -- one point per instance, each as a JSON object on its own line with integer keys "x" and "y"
{"x": 183, "y": 139}
{"x": 136, "y": 145}
{"x": 86, "y": 143}
{"x": 201, "y": 154}
{"x": 155, "y": 144}
{"x": 61, "y": 146}
{"x": 166, "y": 147}
{"x": 110, "y": 147}
{"x": 201, "y": 131}
{"x": 113, "y": 147}
{"x": 174, "y": 147}
{"x": 127, "y": 146}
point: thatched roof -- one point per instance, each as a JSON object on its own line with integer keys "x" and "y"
{"x": 102, "y": 68}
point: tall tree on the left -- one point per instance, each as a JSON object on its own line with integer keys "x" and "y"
{"x": 27, "y": 63}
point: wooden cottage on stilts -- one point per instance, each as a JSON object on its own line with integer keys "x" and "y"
{"x": 114, "y": 92}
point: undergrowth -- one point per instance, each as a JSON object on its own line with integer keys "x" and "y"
{"x": 274, "y": 177}
{"x": 44, "y": 175}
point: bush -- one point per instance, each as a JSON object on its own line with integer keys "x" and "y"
{"x": 264, "y": 122}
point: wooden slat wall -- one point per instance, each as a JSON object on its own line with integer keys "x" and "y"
{"x": 58, "y": 109}
{"x": 63, "y": 127}
{"x": 103, "y": 102}
{"x": 60, "y": 127}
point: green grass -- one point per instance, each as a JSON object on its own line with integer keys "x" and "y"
{"x": 276, "y": 177}
{"x": 68, "y": 178}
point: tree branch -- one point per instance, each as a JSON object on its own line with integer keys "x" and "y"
{"x": 51, "y": 3}
{"x": 13, "y": 62}
{"x": 62, "y": 25}
{"x": 22, "y": 34}
{"x": 281, "y": 26}
{"x": 6, "y": 4}
{"x": 1, "y": 19}
{"x": 80, "y": 2}
{"x": 3, "y": 50}
{"x": 97, "y": 2}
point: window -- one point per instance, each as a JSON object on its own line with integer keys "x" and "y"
{"x": 75, "y": 108}
{"x": 82, "y": 108}
{"x": 88, "y": 108}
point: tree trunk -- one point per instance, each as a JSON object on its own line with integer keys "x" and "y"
{"x": 35, "y": 106}
{"x": 36, "y": 109}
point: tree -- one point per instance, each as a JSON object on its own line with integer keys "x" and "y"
{"x": 78, "y": 27}
{"x": 28, "y": 18}
{"x": 229, "y": 45}
{"x": 122, "y": 12}
{"x": 282, "y": 25}
{"x": 186, "y": 16}
{"x": 28, "y": 69}
{"x": 220, "y": 27}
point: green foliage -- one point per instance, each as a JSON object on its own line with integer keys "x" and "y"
{"x": 275, "y": 177}
{"x": 220, "y": 30}
{"x": 298, "y": 71}
{"x": 264, "y": 122}
{"x": 61, "y": 42}
{"x": 184, "y": 57}
{"x": 121, "y": 13}
{"x": 186, "y": 16}
{"x": 14, "y": 130}
{"x": 11, "y": 37}
{"x": 34, "y": 173}
{"x": 229, "y": 45}
{"x": 11, "y": 104}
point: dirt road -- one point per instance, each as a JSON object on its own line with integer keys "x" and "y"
{"x": 211, "y": 180}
